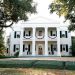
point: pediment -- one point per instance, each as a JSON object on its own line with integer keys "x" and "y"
{"x": 42, "y": 20}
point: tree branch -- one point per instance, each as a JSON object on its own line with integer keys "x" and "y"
{"x": 6, "y": 25}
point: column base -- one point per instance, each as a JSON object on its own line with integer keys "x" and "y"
{"x": 20, "y": 54}
{"x": 59, "y": 55}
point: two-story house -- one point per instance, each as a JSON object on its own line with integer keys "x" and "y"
{"x": 40, "y": 37}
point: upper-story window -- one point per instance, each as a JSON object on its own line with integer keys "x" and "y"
{"x": 16, "y": 47}
{"x": 17, "y": 34}
{"x": 63, "y": 34}
{"x": 53, "y": 33}
{"x": 28, "y": 33}
{"x": 40, "y": 33}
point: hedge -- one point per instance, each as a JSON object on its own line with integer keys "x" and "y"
{"x": 37, "y": 64}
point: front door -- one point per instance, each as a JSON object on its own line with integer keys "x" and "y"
{"x": 40, "y": 51}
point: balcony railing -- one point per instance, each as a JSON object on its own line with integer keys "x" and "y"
{"x": 39, "y": 37}
{"x": 27, "y": 37}
{"x": 53, "y": 36}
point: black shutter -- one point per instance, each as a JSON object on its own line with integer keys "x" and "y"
{"x": 66, "y": 33}
{"x": 66, "y": 48}
{"x": 29, "y": 47}
{"x": 61, "y": 48}
{"x": 15, "y": 34}
{"x": 51, "y": 33}
{"x": 7, "y": 50}
{"x": 60, "y": 34}
{"x": 23, "y": 48}
{"x": 52, "y": 49}
{"x": 29, "y": 33}
{"x": 14, "y": 48}
{"x": 24, "y": 33}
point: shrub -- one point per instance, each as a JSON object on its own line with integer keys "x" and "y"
{"x": 16, "y": 54}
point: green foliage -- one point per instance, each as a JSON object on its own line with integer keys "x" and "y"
{"x": 2, "y": 47}
{"x": 16, "y": 54}
{"x": 65, "y": 8}
{"x": 14, "y": 10}
{"x": 19, "y": 8}
{"x": 4, "y": 57}
{"x": 37, "y": 64}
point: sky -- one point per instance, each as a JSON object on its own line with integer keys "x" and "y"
{"x": 42, "y": 10}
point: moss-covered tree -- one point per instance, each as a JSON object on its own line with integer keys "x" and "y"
{"x": 2, "y": 47}
{"x": 65, "y": 8}
{"x": 14, "y": 10}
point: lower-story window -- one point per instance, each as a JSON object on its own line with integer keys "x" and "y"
{"x": 52, "y": 49}
{"x": 27, "y": 49}
{"x": 64, "y": 47}
{"x": 16, "y": 47}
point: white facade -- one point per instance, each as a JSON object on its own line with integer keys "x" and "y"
{"x": 40, "y": 37}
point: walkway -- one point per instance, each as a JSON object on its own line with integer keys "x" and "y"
{"x": 43, "y": 58}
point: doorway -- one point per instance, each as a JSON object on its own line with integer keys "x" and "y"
{"x": 40, "y": 50}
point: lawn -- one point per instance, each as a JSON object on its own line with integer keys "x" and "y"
{"x": 36, "y": 71}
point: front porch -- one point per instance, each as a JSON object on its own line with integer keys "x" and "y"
{"x": 41, "y": 49}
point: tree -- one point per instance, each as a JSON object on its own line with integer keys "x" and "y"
{"x": 2, "y": 47}
{"x": 66, "y": 8}
{"x": 14, "y": 10}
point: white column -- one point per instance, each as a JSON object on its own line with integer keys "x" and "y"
{"x": 33, "y": 42}
{"x": 21, "y": 43}
{"x": 58, "y": 42}
{"x": 46, "y": 41}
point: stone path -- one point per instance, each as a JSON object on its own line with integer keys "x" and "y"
{"x": 43, "y": 58}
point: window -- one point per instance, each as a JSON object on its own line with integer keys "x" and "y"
{"x": 40, "y": 33}
{"x": 16, "y": 47}
{"x": 55, "y": 47}
{"x": 17, "y": 34}
{"x": 63, "y": 34}
{"x": 64, "y": 47}
{"x": 52, "y": 33}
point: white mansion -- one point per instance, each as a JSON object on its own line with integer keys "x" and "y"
{"x": 39, "y": 37}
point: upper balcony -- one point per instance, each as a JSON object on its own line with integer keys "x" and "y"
{"x": 40, "y": 34}
{"x": 27, "y": 33}
{"x": 52, "y": 34}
